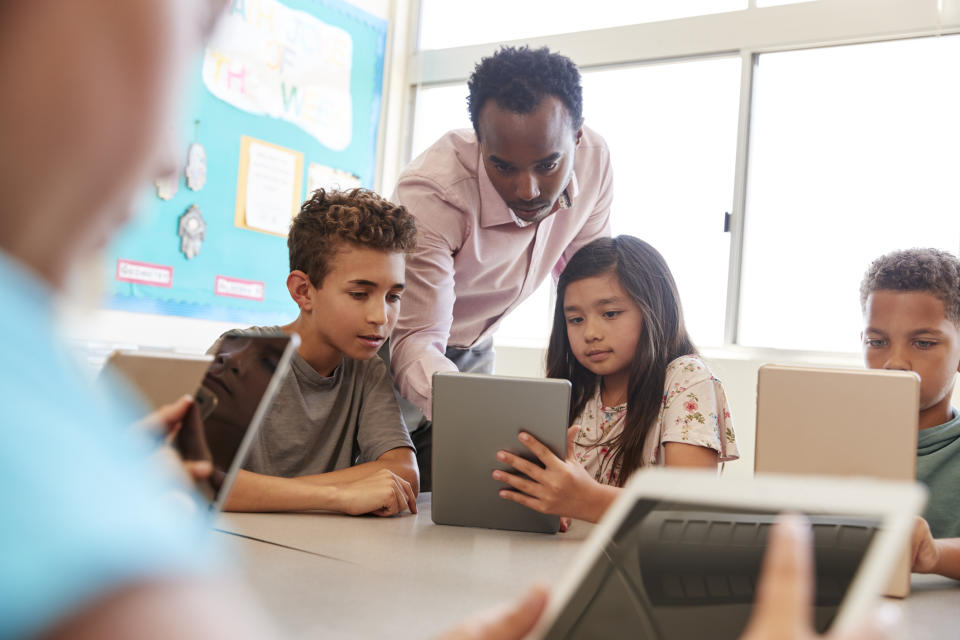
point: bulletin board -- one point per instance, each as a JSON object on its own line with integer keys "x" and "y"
{"x": 285, "y": 98}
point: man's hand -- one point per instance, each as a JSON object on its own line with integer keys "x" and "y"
{"x": 506, "y": 622}
{"x": 784, "y": 606}
{"x": 383, "y": 493}
{"x": 560, "y": 487}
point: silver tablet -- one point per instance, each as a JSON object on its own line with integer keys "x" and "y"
{"x": 474, "y": 416}
{"x": 678, "y": 554}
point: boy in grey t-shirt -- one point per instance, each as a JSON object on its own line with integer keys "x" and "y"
{"x": 334, "y": 439}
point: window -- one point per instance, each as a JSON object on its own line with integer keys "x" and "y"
{"x": 855, "y": 151}
{"x": 456, "y": 23}
{"x": 438, "y": 110}
{"x": 672, "y": 133}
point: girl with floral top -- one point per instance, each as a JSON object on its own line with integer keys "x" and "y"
{"x": 640, "y": 392}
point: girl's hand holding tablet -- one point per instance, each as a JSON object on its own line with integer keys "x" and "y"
{"x": 560, "y": 487}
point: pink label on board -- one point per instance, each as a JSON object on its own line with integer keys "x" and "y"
{"x": 155, "y": 275}
{"x": 237, "y": 288}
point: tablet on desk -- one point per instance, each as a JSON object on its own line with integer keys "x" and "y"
{"x": 231, "y": 403}
{"x": 679, "y": 552}
{"x": 160, "y": 377}
{"x": 474, "y": 416}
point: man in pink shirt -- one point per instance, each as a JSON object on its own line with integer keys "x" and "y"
{"x": 497, "y": 209}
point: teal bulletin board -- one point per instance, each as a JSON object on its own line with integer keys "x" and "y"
{"x": 302, "y": 75}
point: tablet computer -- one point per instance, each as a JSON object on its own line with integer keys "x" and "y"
{"x": 476, "y": 415}
{"x": 161, "y": 377}
{"x": 230, "y": 405}
{"x": 840, "y": 422}
{"x": 678, "y": 554}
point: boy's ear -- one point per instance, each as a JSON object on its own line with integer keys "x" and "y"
{"x": 299, "y": 286}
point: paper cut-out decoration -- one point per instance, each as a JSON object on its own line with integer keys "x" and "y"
{"x": 196, "y": 170}
{"x": 320, "y": 176}
{"x": 193, "y": 228}
{"x": 167, "y": 186}
{"x": 268, "y": 59}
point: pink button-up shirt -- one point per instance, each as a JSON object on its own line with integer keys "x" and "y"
{"x": 474, "y": 263}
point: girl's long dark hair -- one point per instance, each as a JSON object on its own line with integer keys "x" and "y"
{"x": 646, "y": 278}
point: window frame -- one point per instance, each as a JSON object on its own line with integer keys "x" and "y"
{"x": 747, "y": 33}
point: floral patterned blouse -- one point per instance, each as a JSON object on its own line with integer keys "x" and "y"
{"x": 693, "y": 410}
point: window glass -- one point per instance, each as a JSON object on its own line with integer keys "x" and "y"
{"x": 438, "y": 109}
{"x": 457, "y": 23}
{"x": 854, "y": 153}
{"x": 672, "y": 133}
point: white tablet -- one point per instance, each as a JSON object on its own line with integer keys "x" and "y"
{"x": 679, "y": 552}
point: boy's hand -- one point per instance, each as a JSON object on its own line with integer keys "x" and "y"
{"x": 561, "y": 487}
{"x": 383, "y": 493}
{"x": 925, "y": 553}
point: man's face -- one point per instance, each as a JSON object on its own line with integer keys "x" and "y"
{"x": 356, "y": 307}
{"x": 528, "y": 157}
{"x": 90, "y": 92}
{"x": 910, "y": 331}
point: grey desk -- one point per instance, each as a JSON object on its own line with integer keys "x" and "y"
{"x": 399, "y": 577}
{"x": 332, "y": 576}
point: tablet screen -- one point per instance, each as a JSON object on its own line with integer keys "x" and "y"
{"x": 226, "y": 403}
{"x": 684, "y": 570}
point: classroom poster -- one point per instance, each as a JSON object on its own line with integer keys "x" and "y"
{"x": 268, "y": 59}
{"x": 300, "y": 81}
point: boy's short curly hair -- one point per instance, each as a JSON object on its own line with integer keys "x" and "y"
{"x": 359, "y": 217}
{"x": 930, "y": 270}
{"x": 518, "y": 78}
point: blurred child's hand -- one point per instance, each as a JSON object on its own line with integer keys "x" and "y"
{"x": 506, "y": 622}
{"x": 561, "y": 487}
{"x": 784, "y": 605}
{"x": 925, "y": 554}
{"x": 166, "y": 422}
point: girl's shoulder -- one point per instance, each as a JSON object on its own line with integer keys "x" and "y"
{"x": 684, "y": 372}
{"x": 689, "y": 366}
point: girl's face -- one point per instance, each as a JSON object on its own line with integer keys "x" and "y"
{"x": 603, "y": 324}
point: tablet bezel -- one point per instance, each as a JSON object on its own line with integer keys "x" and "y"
{"x": 896, "y": 503}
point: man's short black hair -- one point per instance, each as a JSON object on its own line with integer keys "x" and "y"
{"x": 518, "y": 78}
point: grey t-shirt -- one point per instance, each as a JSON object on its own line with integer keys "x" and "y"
{"x": 319, "y": 424}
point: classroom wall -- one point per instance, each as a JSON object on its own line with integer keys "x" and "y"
{"x": 736, "y": 368}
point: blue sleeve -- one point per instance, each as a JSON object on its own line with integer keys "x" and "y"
{"x": 85, "y": 510}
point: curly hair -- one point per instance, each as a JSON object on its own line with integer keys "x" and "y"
{"x": 930, "y": 270}
{"x": 518, "y": 78}
{"x": 360, "y": 217}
